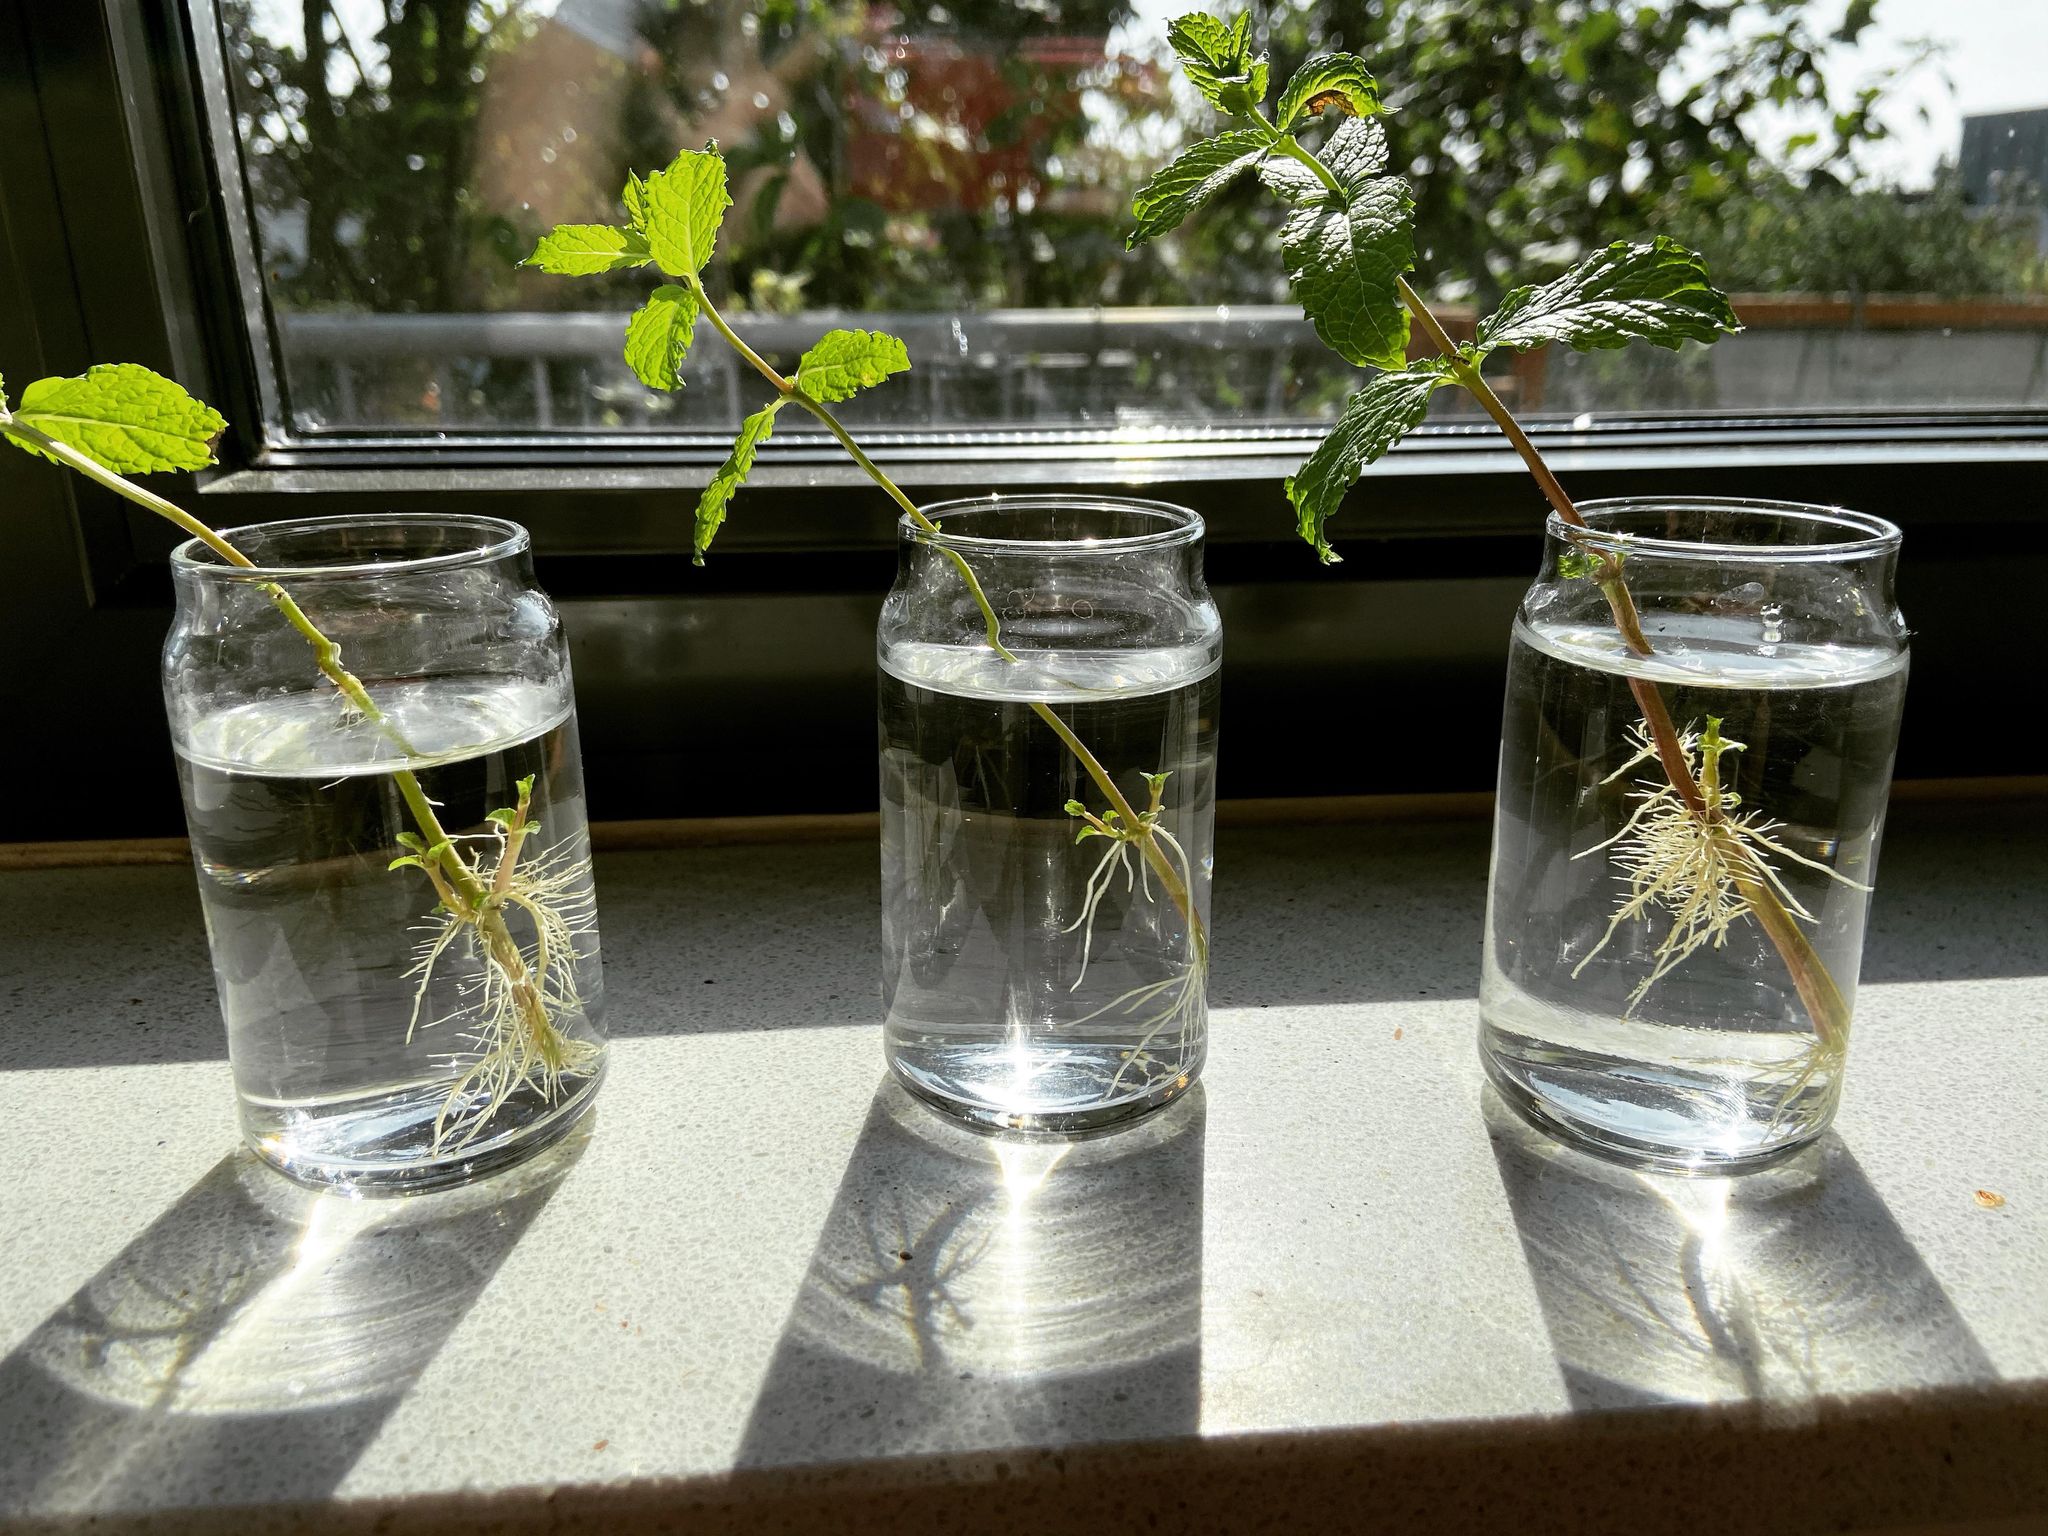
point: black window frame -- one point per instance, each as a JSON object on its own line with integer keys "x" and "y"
{"x": 120, "y": 246}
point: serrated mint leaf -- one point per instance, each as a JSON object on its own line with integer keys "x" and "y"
{"x": 1657, "y": 293}
{"x": 3, "y": 391}
{"x": 131, "y": 420}
{"x": 1218, "y": 62}
{"x": 634, "y": 198}
{"x": 658, "y": 336}
{"x": 842, "y": 362}
{"x": 732, "y": 474}
{"x": 1345, "y": 265}
{"x": 577, "y": 250}
{"x": 681, "y": 209}
{"x": 1338, "y": 80}
{"x": 1291, "y": 181}
{"x": 1356, "y": 153}
{"x": 1372, "y": 421}
{"x": 1197, "y": 175}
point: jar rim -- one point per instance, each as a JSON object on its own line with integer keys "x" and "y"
{"x": 496, "y": 538}
{"x": 1180, "y": 525}
{"x": 1866, "y": 534}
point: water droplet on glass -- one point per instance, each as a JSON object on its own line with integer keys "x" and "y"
{"x": 1773, "y": 616}
{"x": 568, "y": 135}
{"x": 547, "y": 154}
{"x": 720, "y": 80}
{"x": 1583, "y": 422}
{"x": 1223, "y": 312}
{"x": 760, "y": 101}
{"x": 415, "y": 162}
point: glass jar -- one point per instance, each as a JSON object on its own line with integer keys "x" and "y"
{"x": 396, "y": 878}
{"x": 1687, "y": 827}
{"x": 1048, "y": 815}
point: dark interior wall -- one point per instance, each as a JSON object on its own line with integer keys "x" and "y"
{"x": 749, "y": 687}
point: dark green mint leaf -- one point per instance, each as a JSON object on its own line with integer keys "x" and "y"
{"x": 658, "y": 336}
{"x": 732, "y": 474}
{"x": 1356, "y": 153}
{"x": 842, "y": 362}
{"x": 1345, "y": 265}
{"x": 1338, "y": 80}
{"x": 577, "y": 250}
{"x": 1190, "y": 181}
{"x": 131, "y": 420}
{"x": 681, "y": 209}
{"x": 1373, "y": 420}
{"x": 1657, "y": 293}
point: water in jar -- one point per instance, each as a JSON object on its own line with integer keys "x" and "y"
{"x": 375, "y": 1040}
{"x": 1034, "y": 978}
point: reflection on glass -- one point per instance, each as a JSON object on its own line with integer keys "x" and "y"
{"x": 964, "y": 169}
{"x": 1780, "y": 1286}
{"x": 971, "y": 1292}
{"x": 256, "y": 1325}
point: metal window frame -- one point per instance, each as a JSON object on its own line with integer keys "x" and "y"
{"x": 115, "y": 244}
{"x": 186, "y": 206}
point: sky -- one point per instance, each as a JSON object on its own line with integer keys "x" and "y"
{"x": 1997, "y": 59}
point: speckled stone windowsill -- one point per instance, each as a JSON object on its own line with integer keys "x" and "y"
{"x": 1337, "y": 1287}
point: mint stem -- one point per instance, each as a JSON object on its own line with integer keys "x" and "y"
{"x": 1810, "y": 976}
{"x": 1176, "y": 888}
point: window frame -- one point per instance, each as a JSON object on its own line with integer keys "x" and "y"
{"x": 188, "y": 203}
{"x": 112, "y": 248}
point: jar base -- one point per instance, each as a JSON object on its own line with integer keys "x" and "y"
{"x": 1606, "y": 1110}
{"x": 316, "y": 1168}
{"x": 1047, "y": 1122}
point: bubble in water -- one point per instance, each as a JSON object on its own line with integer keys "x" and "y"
{"x": 1773, "y": 615}
{"x": 720, "y": 80}
{"x": 568, "y": 135}
{"x": 547, "y": 154}
{"x": 415, "y": 162}
{"x": 760, "y": 101}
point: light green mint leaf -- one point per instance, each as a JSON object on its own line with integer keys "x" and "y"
{"x": 658, "y": 336}
{"x": 681, "y": 209}
{"x": 731, "y": 476}
{"x": 1191, "y": 180}
{"x": 3, "y": 392}
{"x": 845, "y": 361}
{"x": 1656, "y": 292}
{"x": 131, "y": 420}
{"x": 1345, "y": 264}
{"x": 634, "y": 197}
{"x": 1338, "y": 80}
{"x": 577, "y": 250}
{"x": 1217, "y": 58}
{"x": 1373, "y": 420}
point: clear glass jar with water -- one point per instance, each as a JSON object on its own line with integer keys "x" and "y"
{"x": 397, "y": 886}
{"x": 1687, "y": 829}
{"x": 1048, "y": 814}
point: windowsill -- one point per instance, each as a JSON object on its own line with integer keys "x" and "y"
{"x": 1337, "y": 1282}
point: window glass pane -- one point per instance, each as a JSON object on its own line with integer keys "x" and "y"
{"x": 1866, "y": 175}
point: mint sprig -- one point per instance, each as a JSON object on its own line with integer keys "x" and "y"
{"x": 673, "y": 221}
{"x": 1349, "y": 244}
